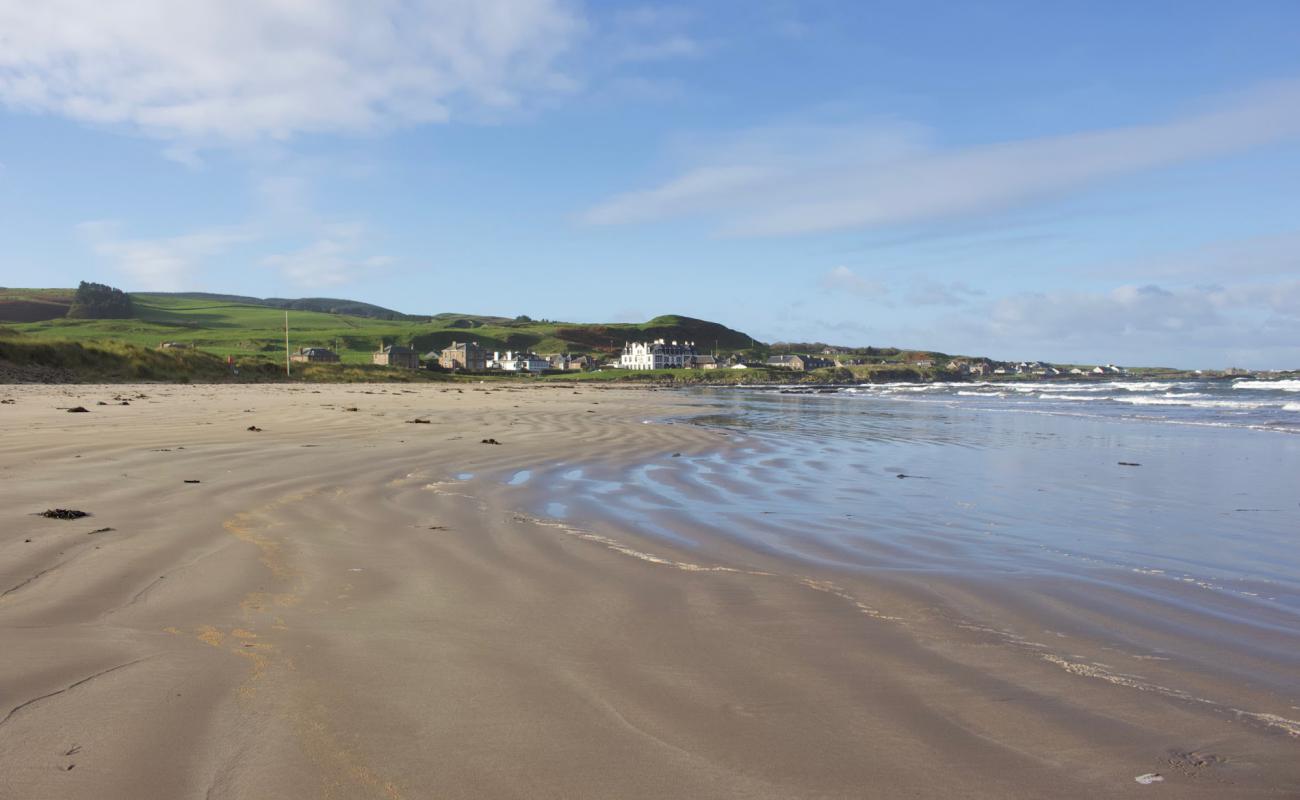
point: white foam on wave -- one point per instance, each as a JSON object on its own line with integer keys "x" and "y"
{"x": 1271, "y": 386}
{"x": 1239, "y": 405}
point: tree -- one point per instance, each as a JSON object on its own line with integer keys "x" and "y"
{"x": 97, "y": 301}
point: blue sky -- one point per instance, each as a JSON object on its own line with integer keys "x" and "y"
{"x": 1068, "y": 181}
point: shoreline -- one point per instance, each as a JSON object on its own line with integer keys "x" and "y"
{"x": 331, "y": 612}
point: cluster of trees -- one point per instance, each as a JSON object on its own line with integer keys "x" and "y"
{"x": 98, "y": 301}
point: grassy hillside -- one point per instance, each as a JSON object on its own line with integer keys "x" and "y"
{"x": 34, "y": 305}
{"x": 328, "y": 305}
{"x": 225, "y": 327}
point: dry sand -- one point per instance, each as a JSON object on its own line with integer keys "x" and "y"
{"x": 330, "y": 613}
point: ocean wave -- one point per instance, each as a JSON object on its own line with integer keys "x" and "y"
{"x": 1243, "y": 405}
{"x": 1272, "y": 386}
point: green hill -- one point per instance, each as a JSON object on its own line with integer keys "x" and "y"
{"x": 250, "y": 328}
{"x": 327, "y": 305}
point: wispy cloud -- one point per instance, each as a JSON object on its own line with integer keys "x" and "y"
{"x": 160, "y": 264}
{"x": 213, "y": 71}
{"x": 937, "y": 293}
{"x": 653, "y": 33}
{"x": 1253, "y": 323}
{"x": 843, "y": 279}
{"x": 337, "y": 257}
{"x": 876, "y": 176}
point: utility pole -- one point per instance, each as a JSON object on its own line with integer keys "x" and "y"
{"x": 287, "y": 369}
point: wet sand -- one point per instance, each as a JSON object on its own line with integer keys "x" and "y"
{"x": 342, "y": 607}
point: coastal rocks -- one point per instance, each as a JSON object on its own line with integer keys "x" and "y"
{"x": 1191, "y": 762}
{"x": 63, "y": 513}
{"x": 78, "y": 410}
{"x": 254, "y": 429}
{"x": 489, "y": 441}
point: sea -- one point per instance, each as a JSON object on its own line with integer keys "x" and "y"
{"x": 1175, "y": 505}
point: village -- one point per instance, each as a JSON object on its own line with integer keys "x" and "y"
{"x": 661, "y": 354}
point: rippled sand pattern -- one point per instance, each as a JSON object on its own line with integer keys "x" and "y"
{"x": 348, "y": 606}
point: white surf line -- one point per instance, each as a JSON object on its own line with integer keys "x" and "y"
{"x": 1103, "y": 672}
{"x": 1094, "y": 670}
{"x": 832, "y": 588}
{"x": 619, "y": 547}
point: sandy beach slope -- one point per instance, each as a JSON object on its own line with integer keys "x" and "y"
{"x": 345, "y": 604}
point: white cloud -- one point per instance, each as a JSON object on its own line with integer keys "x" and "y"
{"x": 935, "y": 293}
{"x": 335, "y": 258}
{"x": 1255, "y": 323}
{"x": 216, "y": 71}
{"x": 843, "y": 279}
{"x": 863, "y": 177}
{"x": 163, "y": 264}
{"x": 670, "y": 47}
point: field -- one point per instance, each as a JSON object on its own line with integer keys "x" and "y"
{"x": 247, "y": 331}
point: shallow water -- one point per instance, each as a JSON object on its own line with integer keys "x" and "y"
{"x": 1198, "y": 514}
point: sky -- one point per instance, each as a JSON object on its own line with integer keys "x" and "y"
{"x": 1070, "y": 181}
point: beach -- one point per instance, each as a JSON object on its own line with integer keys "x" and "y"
{"x": 355, "y": 591}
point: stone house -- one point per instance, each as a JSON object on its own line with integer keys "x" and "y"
{"x": 463, "y": 355}
{"x": 396, "y": 355}
{"x": 315, "y": 355}
{"x": 799, "y": 363}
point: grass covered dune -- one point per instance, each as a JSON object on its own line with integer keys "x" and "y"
{"x": 56, "y": 361}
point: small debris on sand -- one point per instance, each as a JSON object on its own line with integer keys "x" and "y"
{"x": 63, "y": 513}
{"x": 351, "y": 408}
{"x": 489, "y": 441}
{"x": 192, "y": 480}
{"x": 254, "y": 428}
{"x": 78, "y": 410}
{"x": 1129, "y": 464}
{"x": 8, "y": 401}
{"x": 1149, "y": 778}
{"x": 417, "y": 421}
{"x": 101, "y": 403}
{"x": 99, "y": 530}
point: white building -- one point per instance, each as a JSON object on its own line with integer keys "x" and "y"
{"x": 657, "y": 355}
{"x": 518, "y": 362}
